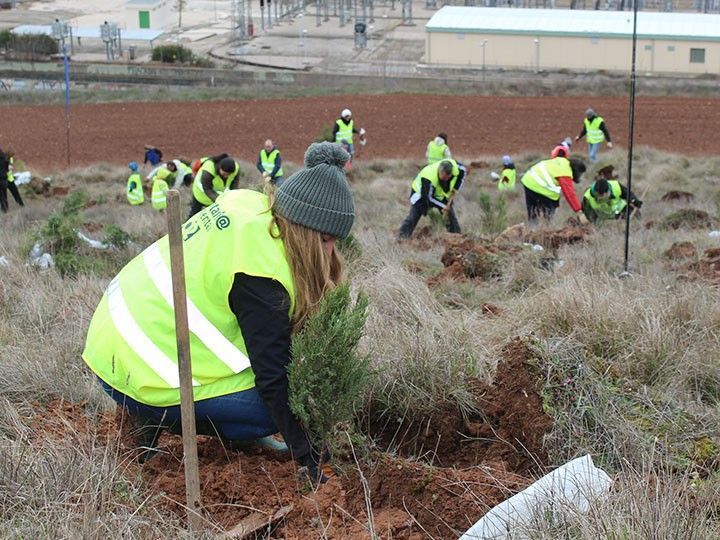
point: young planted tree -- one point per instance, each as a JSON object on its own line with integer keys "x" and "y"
{"x": 327, "y": 375}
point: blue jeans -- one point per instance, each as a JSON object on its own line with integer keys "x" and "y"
{"x": 593, "y": 149}
{"x": 278, "y": 181}
{"x": 235, "y": 417}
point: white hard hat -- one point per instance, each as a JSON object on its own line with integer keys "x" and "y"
{"x": 345, "y": 112}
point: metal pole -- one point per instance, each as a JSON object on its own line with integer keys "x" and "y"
{"x": 630, "y": 137}
{"x": 66, "y": 67}
{"x": 182, "y": 336}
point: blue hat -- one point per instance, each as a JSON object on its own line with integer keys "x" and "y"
{"x": 506, "y": 160}
{"x": 133, "y": 166}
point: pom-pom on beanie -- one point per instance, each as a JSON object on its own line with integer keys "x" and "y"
{"x": 318, "y": 196}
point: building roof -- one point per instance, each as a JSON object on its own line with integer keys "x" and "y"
{"x": 142, "y": 34}
{"x": 566, "y": 22}
{"x": 142, "y": 3}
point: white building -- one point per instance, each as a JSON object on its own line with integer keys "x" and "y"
{"x": 150, "y": 14}
{"x": 538, "y": 39}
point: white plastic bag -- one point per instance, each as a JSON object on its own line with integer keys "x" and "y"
{"x": 568, "y": 488}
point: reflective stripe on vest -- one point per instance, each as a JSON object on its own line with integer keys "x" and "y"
{"x": 507, "y": 180}
{"x": 542, "y": 177}
{"x": 218, "y": 184}
{"x": 203, "y": 329}
{"x": 436, "y": 152}
{"x": 159, "y": 190}
{"x": 610, "y": 206}
{"x": 10, "y": 173}
{"x": 131, "y": 339}
{"x": 345, "y": 131}
{"x": 135, "y": 337}
{"x": 593, "y": 132}
{"x": 268, "y": 161}
{"x": 135, "y": 196}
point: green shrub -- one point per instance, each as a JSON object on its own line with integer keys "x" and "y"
{"x": 72, "y": 255}
{"x": 116, "y": 237}
{"x": 327, "y": 376}
{"x": 35, "y": 46}
{"x": 177, "y": 54}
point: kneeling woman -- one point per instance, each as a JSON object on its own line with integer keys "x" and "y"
{"x": 255, "y": 270}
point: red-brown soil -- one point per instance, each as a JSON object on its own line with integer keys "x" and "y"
{"x": 466, "y": 259}
{"x": 706, "y": 269}
{"x": 674, "y": 195}
{"x": 681, "y": 250}
{"x": 398, "y": 126}
{"x": 470, "y": 465}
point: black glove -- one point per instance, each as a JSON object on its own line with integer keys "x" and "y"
{"x": 315, "y": 475}
{"x": 310, "y": 469}
{"x": 637, "y": 203}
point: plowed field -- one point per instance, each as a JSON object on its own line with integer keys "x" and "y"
{"x": 398, "y": 126}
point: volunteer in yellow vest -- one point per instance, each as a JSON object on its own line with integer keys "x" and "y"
{"x": 438, "y": 149}
{"x": 11, "y": 185}
{"x": 607, "y": 198}
{"x": 508, "y": 175}
{"x": 184, "y": 176}
{"x": 435, "y": 186}
{"x": 134, "y": 191}
{"x": 269, "y": 164}
{"x": 217, "y": 174}
{"x": 343, "y": 132}
{"x": 161, "y": 180}
{"x": 545, "y": 181}
{"x": 595, "y": 131}
{"x": 255, "y": 270}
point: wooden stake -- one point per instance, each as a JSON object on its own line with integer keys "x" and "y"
{"x": 182, "y": 333}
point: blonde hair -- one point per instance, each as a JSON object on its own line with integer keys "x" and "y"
{"x": 314, "y": 271}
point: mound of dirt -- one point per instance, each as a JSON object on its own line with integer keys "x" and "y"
{"x": 463, "y": 258}
{"x": 674, "y": 195}
{"x": 471, "y": 466}
{"x": 688, "y": 218}
{"x": 706, "y": 269}
{"x": 681, "y": 250}
{"x": 508, "y": 431}
{"x": 554, "y": 238}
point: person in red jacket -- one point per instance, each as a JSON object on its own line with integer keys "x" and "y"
{"x": 545, "y": 181}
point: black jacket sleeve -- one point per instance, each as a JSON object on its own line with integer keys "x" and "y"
{"x": 335, "y": 130}
{"x": 259, "y": 164}
{"x": 628, "y": 196}
{"x": 261, "y": 307}
{"x": 276, "y": 168}
{"x": 605, "y": 131}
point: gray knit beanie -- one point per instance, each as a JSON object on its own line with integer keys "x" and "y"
{"x": 318, "y": 196}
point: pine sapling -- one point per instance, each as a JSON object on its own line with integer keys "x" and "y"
{"x": 327, "y": 376}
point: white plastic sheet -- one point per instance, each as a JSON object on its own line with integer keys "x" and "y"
{"x": 40, "y": 259}
{"x": 571, "y": 487}
{"x": 22, "y": 178}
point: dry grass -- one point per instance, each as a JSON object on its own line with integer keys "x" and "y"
{"x": 631, "y": 370}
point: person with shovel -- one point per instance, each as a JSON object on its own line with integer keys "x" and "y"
{"x": 607, "y": 198}
{"x": 256, "y": 269}
{"x": 435, "y": 186}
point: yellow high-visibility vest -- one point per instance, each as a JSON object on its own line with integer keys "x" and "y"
{"x": 542, "y": 177}
{"x": 131, "y": 340}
